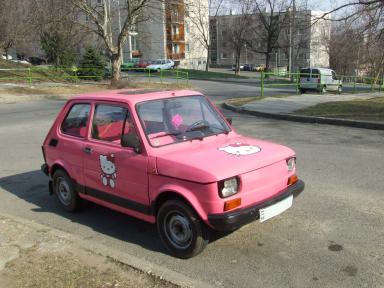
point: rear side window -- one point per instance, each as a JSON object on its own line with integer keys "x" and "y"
{"x": 305, "y": 73}
{"x": 108, "y": 123}
{"x": 76, "y": 122}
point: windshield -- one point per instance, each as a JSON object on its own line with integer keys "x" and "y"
{"x": 179, "y": 119}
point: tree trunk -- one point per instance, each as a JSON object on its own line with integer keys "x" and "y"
{"x": 267, "y": 60}
{"x": 208, "y": 56}
{"x": 116, "y": 62}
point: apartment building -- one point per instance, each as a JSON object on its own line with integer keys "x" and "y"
{"x": 308, "y": 37}
{"x": 167, "y": 33}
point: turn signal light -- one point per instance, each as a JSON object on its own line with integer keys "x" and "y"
{"x": 232, "y": 204}
{"x": 292, "y": 180}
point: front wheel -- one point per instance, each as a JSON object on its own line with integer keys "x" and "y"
{"x": 323, "y": 89}
{"x": 339, "y": 90}
{"x": 181, "y": 230}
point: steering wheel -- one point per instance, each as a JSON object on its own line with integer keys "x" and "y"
{"x": 197, "y": 124}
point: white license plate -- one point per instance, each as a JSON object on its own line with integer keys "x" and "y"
{"x": 275, "y": 209}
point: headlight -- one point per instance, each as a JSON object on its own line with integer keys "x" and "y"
{"x": 291, "y": 163}
{"x": 228, "y": 187}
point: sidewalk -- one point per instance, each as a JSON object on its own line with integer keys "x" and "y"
{"x": 292, "y": 103}
{"x": 33, "y": 255}
{"x": 283, "y": 108}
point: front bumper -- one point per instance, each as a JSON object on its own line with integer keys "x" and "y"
{"x": 230, "y": 221}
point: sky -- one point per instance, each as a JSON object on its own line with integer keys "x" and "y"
{"x": 325, "y": 5}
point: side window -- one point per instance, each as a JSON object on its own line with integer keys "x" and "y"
{"x": 334, "y": 77}
{"x": 75, "y": 124}
{"x": 108, "y": 123}
{"x": 315, "y": 73}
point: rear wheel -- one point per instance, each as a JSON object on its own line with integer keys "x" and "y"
{"x": 64, "y": 190}
{"x": 181, "y": 230}
{"x": 302, "y": 91}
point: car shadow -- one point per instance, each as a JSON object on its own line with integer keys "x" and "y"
{"x": 33, "y": 187}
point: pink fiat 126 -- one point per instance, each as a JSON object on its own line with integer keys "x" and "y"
{"x": 170, "y": 158}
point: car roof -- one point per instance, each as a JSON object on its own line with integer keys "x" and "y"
{"x": 134, "y": 96}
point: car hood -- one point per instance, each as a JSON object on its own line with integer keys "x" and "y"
{"x": 217, "y": 160}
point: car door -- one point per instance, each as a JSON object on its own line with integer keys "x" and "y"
{"x": 71, "y": 138}
{"x": 115, "y": 174}
{"x": 335, "y": 81}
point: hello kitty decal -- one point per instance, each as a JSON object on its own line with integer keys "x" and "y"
{"x": 240, "y": 149}
{"x": 108, "y": 170}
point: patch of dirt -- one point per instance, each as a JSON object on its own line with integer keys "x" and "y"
{"x": 72, "y": 268}
{"x": 16, "y": 94}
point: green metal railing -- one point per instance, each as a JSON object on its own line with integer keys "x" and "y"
{"x": 35, "y": 74}
{"x": 353, "y": 83}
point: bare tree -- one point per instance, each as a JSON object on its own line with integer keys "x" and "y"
{"x": 14, "y": 23}
{"x": 236, "y": 30}
{"x": 363, "y": 36}
{"x": 100, "y": 16}
{"x": 270, "y": 17}
{"x": 199, "y": 18}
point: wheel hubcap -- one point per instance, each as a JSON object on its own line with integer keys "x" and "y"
{"x": 178, "y": 230}
{"x": 63, "y": 191}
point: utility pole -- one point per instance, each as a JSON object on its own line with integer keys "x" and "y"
{"x": 291, "y": 34}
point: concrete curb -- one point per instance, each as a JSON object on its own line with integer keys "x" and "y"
{"x": 307, "y": 119}
{"x": 142, "y": 265}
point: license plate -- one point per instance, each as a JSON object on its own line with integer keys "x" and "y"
{"x": 275, "y": 209}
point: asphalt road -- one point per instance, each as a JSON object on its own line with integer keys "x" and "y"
{"x": 333, "y": 236}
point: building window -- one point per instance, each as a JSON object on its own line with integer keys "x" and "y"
{"x": 224, "y": 55}
{"x": 175, "y": 29}
{"x": 175, "y": 48}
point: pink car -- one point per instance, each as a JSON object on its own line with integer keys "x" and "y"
{"x": 169, "y": 158}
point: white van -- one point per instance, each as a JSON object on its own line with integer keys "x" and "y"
{"x": 320, "y": 79}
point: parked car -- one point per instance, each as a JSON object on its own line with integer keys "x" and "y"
{"x": 241, "y": 67}
{"x": 126, "y": 66}
{"x": 260, "y": 68}
{"x": 6, "y": 57}
{"x": 161, "y": 64}
{"x": 142, "y": 64}
{"x": 170, "y": 158}
{"x": 319, "y": 79}
{"x": 249, "y": 67}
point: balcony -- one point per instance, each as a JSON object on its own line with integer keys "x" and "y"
{"x": 177, "y": 56}
{"x": 177, "y": 38}
{"x": 136, "y": 53}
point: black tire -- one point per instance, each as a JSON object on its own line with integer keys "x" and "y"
{"x": 323, "y": 89}
{"x": 339, "y": 90}
{"x": 175, "y": 217}
{"x": 302, "y": 91}
{"x": 64, "y": 190}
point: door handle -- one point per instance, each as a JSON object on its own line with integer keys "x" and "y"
{"x": 87, "y": 150}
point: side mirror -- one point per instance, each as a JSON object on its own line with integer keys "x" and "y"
{"x": 229, "y": 120}
{"x": 131, "y": 140}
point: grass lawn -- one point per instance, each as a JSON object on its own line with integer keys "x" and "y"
{"x": 200, "y": 74}
{"x": 367, "y": 110}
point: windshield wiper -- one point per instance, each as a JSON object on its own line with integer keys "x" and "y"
{"x": 166, "y": 134}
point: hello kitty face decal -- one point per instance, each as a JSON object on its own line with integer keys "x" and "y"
{"x": 240, "y": 149}
{"x": 108, "y": 170}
